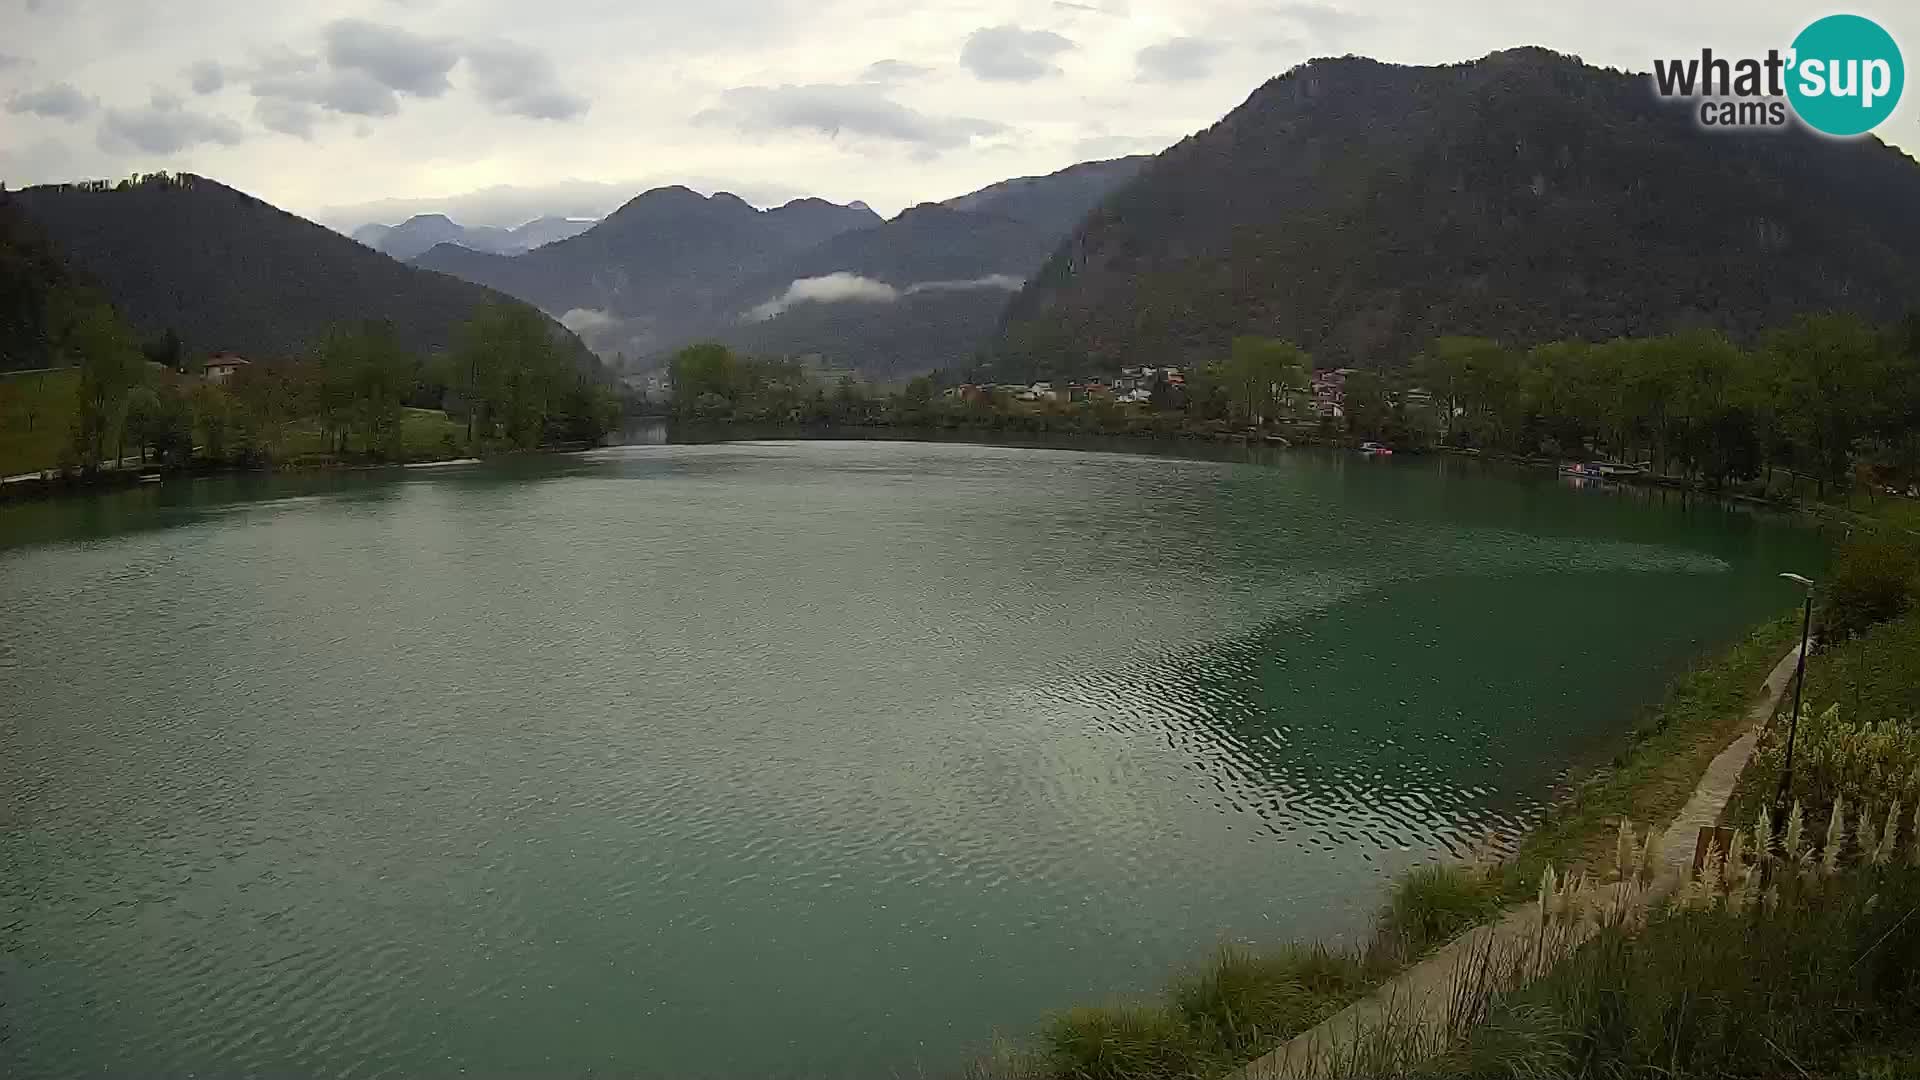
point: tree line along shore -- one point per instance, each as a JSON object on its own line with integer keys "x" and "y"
{"x": 116, "y": 406}
{"x": 1827, "y": 403}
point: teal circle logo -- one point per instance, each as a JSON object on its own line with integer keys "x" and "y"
{"x": 1846, "y": 75}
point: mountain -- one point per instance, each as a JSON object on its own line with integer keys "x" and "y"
{"x": 1360, "y": 209}
{"x": 1054, "y": 203}
{"x": 931, "y": 283}
{"x": 228, "y": 272}
{"x": 421, "y": 232}
{"x": 650, "y": 272}
{"x": 921, "y": 291}
{"x": 31, "y": 273}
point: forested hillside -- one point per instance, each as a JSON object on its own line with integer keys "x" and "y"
{"x": 31, "y": 279}
{"x": 1056, "y": 202}
{"x": 1361, "y": 209}
{"x": 226, "y": 271}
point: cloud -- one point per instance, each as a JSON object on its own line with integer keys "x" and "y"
{"x": 369, "y": 67}
{"x": 842, "y": 287}
{"x": 1009, "y": 54}
{"x": 1180, "y": 59}
{"x": 992, "y": 281}
{"x": 892, "y": 71}
{"x": 58, "y": 101}
{"x": 398, "y": 59}
{"x": 834, "y": 110}
{"x": 286, "y": 116}
{"x": 165, "y": 126}
{"x": 519, "y": 81}
{"x": 587, "y": 320}
{"x": 1323, "y": 21}
{"x": 835, "y": 288}
{"x": 9, "y": 60}
{"x": 353, "y": 92}
{"x": 206, "y": 76}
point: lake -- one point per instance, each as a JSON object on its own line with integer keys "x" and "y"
{"x": 808, "y": 759}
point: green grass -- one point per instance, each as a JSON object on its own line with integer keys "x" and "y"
{"x": 425, "y": 435}
{"x": 1874, "y": 678}
{"x": 1235, "y": 1007}
{"x": 49, "y": 400}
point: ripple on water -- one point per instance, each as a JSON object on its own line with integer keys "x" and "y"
{"x": 809, "y": 760}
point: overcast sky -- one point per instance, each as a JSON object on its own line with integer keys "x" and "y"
{"x": 337, "y": 110}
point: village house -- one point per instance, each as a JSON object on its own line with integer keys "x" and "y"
{"x": 221, "y": 366}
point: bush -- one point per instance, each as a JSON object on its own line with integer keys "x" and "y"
{"x": 1431, "y": 905}
{"x": 1864, "y": 762}
{"x": 1244, "y": 1002}
{"x": 1796, "y": 987}
{"x": 1872, "y": 581}
{"x": 1121, "y": 1042}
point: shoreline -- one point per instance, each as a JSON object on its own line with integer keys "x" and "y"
{"x": 51, "y": 484}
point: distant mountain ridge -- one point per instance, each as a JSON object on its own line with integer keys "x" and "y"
{"x": 1361, "y": 209}
{"x": 227, "y": 271}
{"x": 421, "y": 232}
{"x": 654, "y": 267}
{"x": 952, "y": 267}
{"x": 672, "y": 266}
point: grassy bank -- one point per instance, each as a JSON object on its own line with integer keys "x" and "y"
{"x": 1859, "y": 737}
{"x": 425, "y": 435}
{"x": 36, "y": 418}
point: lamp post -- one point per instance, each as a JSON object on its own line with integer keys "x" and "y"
{"x": 1799, "y": 684}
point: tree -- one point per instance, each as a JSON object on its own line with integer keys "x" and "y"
{"x": 266, "y": 398}
{"x": 1475, "y": 379}
{"x": 142, "y": 410}
{"x": 706, "y": 369}
{"x": 364, "y": 373}
{"x": 509, "y": 372}
{"x": 166, "y": 350}
{"x": 213, "y": 415}
{"x": 1827, "y": 364}
{"x": 91, "y": 335}
{"x": 1258, "y": 372}
{"x": 1368, "y": 410}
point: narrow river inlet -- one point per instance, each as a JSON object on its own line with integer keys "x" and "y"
{"x": 798, "y": 759}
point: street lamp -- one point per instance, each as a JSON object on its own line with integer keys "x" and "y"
{"x": 1799, "y": 683}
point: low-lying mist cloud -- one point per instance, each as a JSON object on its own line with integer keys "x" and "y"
{"x": 587, "y": 320}
{"x": 843, "y": 287}
{"x": 835, "y": 288}
{"x": 991, "y": 281}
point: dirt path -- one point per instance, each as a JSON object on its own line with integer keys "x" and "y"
{"x": 1421, "y": 994}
